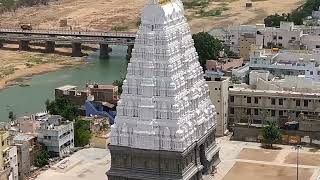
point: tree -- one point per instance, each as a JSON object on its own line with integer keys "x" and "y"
{"x": 119, "y": 83}
{"x": 236, "y": 80}
{"x": 12, "y": 116}
{"x": 62, "y": 107}
{"x": 8, "y": 4}
{"x": 207, "y": 47}
{"x": 271, "y": 133}
{"x": 42, "y": 158}
{"x": 82, "y": 132}
{"x": 231, "y": 54}
{"x": 274, "y": 20}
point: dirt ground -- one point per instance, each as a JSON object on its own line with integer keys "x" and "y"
{"x": 105, "y": 14}
{"x": 304, "y": 159}
{"x": 245, "y": 171}
{"x": 16, "y": 65}
{"x": 98, "y": 142}
{"x": 258, "y": 154}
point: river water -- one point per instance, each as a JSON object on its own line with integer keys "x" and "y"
{"x": 30, "y": 99}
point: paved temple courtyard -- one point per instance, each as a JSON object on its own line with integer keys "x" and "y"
{"x": 239, "y": 161}
{"x": 244, "y": 161}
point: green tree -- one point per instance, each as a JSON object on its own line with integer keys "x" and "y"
{"x": 42, "y": 158}
{"x": 12, "y": 116}
{"x": 274, "y": 20}
{"x": 236, "y": 80}
{"x": 8, "y": 4}
{"x": 62, "y": 107}
{"x": 119, "y": 83}
{"x": 231, "y": 54}
{"x": 82, "y": 132}
{"x": 207, "y": 47}
{"x": 271, "y": 134}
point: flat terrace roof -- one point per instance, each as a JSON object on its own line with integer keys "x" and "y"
{"x": 66, "y": 87}
{"x": 273, "y": 92}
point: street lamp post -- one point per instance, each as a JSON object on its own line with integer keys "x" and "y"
{"x": 298, "y": 147}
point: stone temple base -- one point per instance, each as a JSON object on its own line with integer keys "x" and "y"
{"x": 140, "y": 164}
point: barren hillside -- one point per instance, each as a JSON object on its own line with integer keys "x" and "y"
{"x": 105, "y": 14}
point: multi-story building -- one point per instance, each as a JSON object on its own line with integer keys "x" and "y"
{"x": 247, "y": 41}
{"x": 72, "y": 94}
{"x": 8, "y": 158}
{"x": 57, "y": 135}
{"x": 287, "y": 63}
{"x": 219, "y": 96}
{"x": 97, "y": 92}
{"x": 281, "y": 101}
{"x": 237, "y": 33}
{"x": 165, "y": 123}
{"x": 27, "y": 124}
{"x": 28, "y": 148}
{"x": 13, "y": 162}
{"x": 286, "y": 36}
{"x": 104, "y": 93}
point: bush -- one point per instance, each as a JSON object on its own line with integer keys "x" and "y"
{"x": 82, "y": 132}
{"x": 42, "y": 158}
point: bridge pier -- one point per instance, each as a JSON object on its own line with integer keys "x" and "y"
{"x": 24, "y": 45}
{"x": 104, "y": 51}
{"x": 129, "y": 52}
{"x": 1, "y": 43}
{"x": 76, "y": 49}
{"x": 50, "y": 46}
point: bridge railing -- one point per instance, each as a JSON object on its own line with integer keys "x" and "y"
{"x": 70, "y": 32}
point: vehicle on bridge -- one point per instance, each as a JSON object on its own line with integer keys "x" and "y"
{"x": 27, "y": 27}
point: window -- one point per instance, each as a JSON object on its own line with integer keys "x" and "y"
{"x": 280, "y": 113}
{"x": 248, "y": 99}
{"x": 273, "y": 112}
{"x": 317, "y": 46}
{"x": 297, "y": 102}
{"x": 280, "y": 44}
{"x": 273, "y": 101}
{"x": 280, "y": 102}
{"x": 274, "y": 37}
{"x": 248, "y": 111}
{"x": 231, "y": 98}
{"x": 305, "y": 103}
{"x": 318, "y": 72}
{"x": 311, "y": 72}
{"x": 256, "y": 100}
{"x": 256, "y": 111}
{"x": 293, "y": 38}
{"x": 280, "y": 37}
{"x": 231, "y": 110}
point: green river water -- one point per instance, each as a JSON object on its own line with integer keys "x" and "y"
{"x": 30, "y": 99}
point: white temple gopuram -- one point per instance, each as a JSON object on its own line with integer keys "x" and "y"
{"x": 165, "y": 123}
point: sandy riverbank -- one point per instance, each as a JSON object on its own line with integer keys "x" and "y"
{"x": 15, "y": 66}
{"x": 108, "y": 14}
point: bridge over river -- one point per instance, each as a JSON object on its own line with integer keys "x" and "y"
{"x": 75, "y": 38}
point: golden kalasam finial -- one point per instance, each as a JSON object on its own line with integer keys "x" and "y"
{"x": 164, "y": 1}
